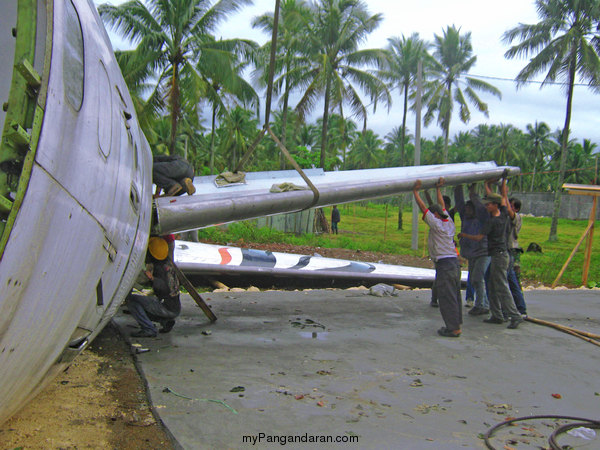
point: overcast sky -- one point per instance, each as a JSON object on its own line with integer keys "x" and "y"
{"x": 487, "y": 21}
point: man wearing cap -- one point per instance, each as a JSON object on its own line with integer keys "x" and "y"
{"x": 443, "y": 253}
{"x": 165, "y": 305}
{"x": 496, "y": 231}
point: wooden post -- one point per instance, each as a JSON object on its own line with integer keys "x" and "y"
{"x": 594, "y": 191}
{"x": 192, "y": 290}
{"x": 564, "y": 267}
{"x": 385, "y": 222}
{"x": 590, "y": 240}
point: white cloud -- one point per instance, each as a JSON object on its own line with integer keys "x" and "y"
{"x": 487, "y": 21}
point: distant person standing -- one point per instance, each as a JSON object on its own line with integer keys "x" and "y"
{"x": 443, "y": 253}
{"x": 172, "y": 174}
{"x": 335, "y": 219}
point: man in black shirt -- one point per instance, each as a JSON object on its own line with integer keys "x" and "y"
{"x": 496, "y": 229}
{"x": 164, "y": 306}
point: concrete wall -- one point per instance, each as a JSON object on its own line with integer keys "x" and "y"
{"x": 541, "y": 204}
{"x": 299, "y": 222}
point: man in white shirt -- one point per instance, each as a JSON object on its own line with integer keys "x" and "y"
{"x": 443, "y": 253}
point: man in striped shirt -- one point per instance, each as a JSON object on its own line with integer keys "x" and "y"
{"x": 442, "y": 251}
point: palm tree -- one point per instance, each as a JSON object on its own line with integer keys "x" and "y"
{"x": 507, "y": 138}
{"x": 565, "y": 43}
{"x": 396, "y": 141}
{"x": 292, "y": 26}
{"x": 332, "y": 62}
{"x": 484, "y": 140}
{"x": 538, "y": 136}
{"x": 400, "y": 70}
{"x": 581, "y": 158}
{"x": 171, "y": 36}
{"x": 366, "y": 151}
{"x": 341, "y": 134}
{"x": 453, "y": 58}
{"x": 221, "y": 69}
{"x": 395, "y": 156}
{"x": 237, "y": 131}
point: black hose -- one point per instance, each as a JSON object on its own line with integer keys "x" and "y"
{"x": 581, "y": 422}
{"x": 569, "y": 426}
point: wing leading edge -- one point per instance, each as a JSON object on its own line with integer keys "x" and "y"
{"x": 213, "y": 205}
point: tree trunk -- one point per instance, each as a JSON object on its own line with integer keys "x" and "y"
{"x": 400, "y": 222}
{"x": 446, "y": 133}
{"x": 403, "y": 132}
{"x": 174, "y": 98}
{"x": 563, "y": 155}
{"x": 325, "y": 120}
{"x": 212, "y": 140}
{"x": 284, "y": 116}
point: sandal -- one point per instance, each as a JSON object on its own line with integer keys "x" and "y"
{"x": 448, "y": 333}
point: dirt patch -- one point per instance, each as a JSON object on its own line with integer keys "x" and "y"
{"x": 100, "y": 401}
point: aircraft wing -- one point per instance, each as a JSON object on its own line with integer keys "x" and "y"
{"x": 254, "y": 198}
{"x": 195, "y": 258}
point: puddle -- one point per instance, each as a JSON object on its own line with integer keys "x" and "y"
{"x": 306, "y": 323}
{"x": 321, "y": 336}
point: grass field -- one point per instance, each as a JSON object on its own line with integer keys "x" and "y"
{"x": 373, "y": 227}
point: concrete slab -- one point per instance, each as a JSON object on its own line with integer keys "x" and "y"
{"x": 344, "y": 365}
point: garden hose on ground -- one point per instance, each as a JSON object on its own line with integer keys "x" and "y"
{"x": 581, "y": 422}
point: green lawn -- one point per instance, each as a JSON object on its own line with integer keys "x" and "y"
{"x": 369, "y": 227}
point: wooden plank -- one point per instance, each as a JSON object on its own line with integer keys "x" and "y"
{"x": 564, "y": 267}
{"x": 590, "y": 240}
{"x": 563, "y": 327}
{"x": 192, "y": 290}
{"x": 582, "y": 189}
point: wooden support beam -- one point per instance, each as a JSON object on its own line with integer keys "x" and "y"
{"x": 588, "y": 337}
{"x": 564, "y": 267}
{"x": 192, "y": 290}
{"x": 588, "y": 247}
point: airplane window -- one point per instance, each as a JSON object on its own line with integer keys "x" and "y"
{"x": 105, "y": 111}
{"x": 136, "y": 162}
{"x": 73, "y": 58}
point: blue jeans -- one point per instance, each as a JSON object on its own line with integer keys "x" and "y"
{"x": 469, "y": 291}
{"x": 477, "y": 268}
{"x": 515, "y": 287}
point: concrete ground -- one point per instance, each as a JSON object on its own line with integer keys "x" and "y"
{"x": 304, "y": 367}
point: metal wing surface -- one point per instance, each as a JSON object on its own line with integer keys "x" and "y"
{"x": 213, "y": 205}
{"x": 217, "y": 260}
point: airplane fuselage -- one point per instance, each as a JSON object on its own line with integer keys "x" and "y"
{"x": 77, "y": 217}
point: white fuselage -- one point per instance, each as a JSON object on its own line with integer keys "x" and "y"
{"x": 79, "y": 238}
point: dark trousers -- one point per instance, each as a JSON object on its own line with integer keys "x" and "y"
{"x": 515, "y": 286}
{"x": 146, "y": 308}
{"x": 166, "y": 173}
{"x": 447, "y": 287}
